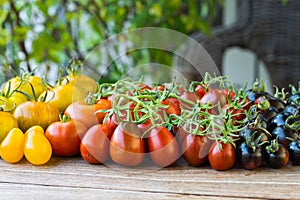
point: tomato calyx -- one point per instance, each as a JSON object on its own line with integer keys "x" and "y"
{"x": 273, "y": 147}
{"x": 64, "y": 118}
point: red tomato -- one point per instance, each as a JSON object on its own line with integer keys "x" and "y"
{"x": 191, "y": 148}
{"x": 162, "y": 146}
{"x": 127, "y": 147}
{"x": 94, "y": 147}
{"x": 65, "y": 137}
{"x": 174, "y": 106}
{"x": 85, "y": 113}
{"x": 200, "y": 90}
{"x": 213, "y": 97}
{"x": 227, "y": 93}
{"x": 190, "y": 96}
{"x": 222, "y": 159}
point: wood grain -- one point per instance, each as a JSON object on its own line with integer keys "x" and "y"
{"x": 73, "y": 177}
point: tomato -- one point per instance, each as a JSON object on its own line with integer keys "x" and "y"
{"x": 200, "y": 90}
{"x": 126, "y": 145}
{"x": 7, "y": 122}
{"x": 173, "y": 106}
{"x": 12, "y": 147}
{"x": 191, "y": 97}
{"x": 94, "y": 147}
{"x": 24, "y": 85}
{"x": 37, "y": 149}
{"x": 276, "y": 155}
{"x": 214, "y": 97}
{"x": 191, "y": 148}
{"x": 162, "y": 146}
{"x": 33, "y": 113}
{"x": 249, "y": 156}
{"x": 61, "y": 96}
{"x": 85, "y": 112}
{"x": 65, "y": 136}
{"x": 85, "y": 83}
{"x": 223, "y": 158}
{"x": 294, "y": 152}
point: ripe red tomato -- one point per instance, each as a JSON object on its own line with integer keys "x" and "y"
{"x": 162, "y": 146}
{"x": 200, "y": 90}
{"x": 174, "y": 106}
{"x": 94, "y": 147}
{"x": 127, "y": 147}
{"x": 224, "y": 158}
{"x": 190, "y": 96}
{"x": 213, "y": 97}
{"x": 65, "y": 137}
{"x": 191, "y": 148}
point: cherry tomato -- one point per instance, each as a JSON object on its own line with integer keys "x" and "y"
{"x": 65, "y": 136}
{"x": 12, "y": 147}
{"x": 276, "y": 155}
{"x": 222, "y": 156}
{"x": 294, "y": 152}
{"x": 173, "y": 106}
{"x": 162, "y": 146}
{"x": 249, "y": 157}
{"x": 127, "y": 147}
{"x": 191, "y": 148}
{"x": 37, "y": 149}
{"x": 94, "y": 147}
{"x": 33, "y": 113}
{"x": 213, "y": 97}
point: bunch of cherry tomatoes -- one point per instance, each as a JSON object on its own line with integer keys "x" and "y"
{"x": 207, "y": 121}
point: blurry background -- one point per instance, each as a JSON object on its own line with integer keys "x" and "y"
{"x": 41, "y": 36}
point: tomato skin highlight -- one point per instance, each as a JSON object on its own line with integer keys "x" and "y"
{"x": 37, "y": 149}
{"x": 222, "y": 159}
{"x": 162, "y": 146}
{"x": 126, "y": 145}
{"x": 65, "y": 137}
{"x": 191, "y": 148}
{"x": 94, "y": 147}
{"x": 12, "y": 147}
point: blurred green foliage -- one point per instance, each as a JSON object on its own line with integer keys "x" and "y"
{"x": 36, "y": 33}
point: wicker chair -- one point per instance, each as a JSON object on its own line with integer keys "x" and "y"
{"x": 269, "y": 28}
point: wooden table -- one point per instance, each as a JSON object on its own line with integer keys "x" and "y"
{"x": 73, "y": 178}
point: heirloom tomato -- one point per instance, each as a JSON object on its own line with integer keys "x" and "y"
{"x": 12, "y": 147}
{"x": 85, "y": 83}
{"x": 162, "y": 146}
{"x": 65, "y": 136}
{"x": 37, "y": 148}
{"x": 33, "y": 113}
{"x": 94, "y": 147}
{"x": 127, "y": 147}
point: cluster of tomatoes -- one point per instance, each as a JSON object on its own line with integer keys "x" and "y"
{"x": 204, "y": 122}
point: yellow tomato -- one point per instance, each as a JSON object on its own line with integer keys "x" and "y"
{"x": 7, "y": 122}
{"x": 33, "y": 113}
{"x": 18, "y": 99}
{"x": 24, "y": 84}
{"x": 12, "y": 147}
{"x": 37, "y": 148}
{"x": 6, "y": 104}
{"x": 86, "y": 83}
{"x": 62, "y": 96}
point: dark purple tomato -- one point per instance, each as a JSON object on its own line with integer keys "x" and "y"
{"x": 277, "y": 157}
{"x": 294, "y": 152}
{"x": 249, "y": 158}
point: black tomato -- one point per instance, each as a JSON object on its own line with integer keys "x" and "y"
{"x": 283, "y": 134}
{"x": 294, "y": 152}
{"x": 276, "y": 155}
{"x": 294, "y": 99}
{"x": 278, "y": 120}
{"x": 290, "y": 110}
{"x": 269, "y": 113}
{"x": 250, "y": 157}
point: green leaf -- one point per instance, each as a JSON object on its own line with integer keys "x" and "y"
{"x": 3, "y": 15}
{"x": 4, "y": 37}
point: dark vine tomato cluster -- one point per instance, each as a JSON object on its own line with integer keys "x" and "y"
{"x": 206, "y": 122}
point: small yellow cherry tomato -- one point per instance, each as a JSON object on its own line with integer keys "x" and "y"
{"x": 12, "y": 147}
{"x": 37, "y": 148}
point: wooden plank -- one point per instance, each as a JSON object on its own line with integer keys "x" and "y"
{"x": 178, "y": 180}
